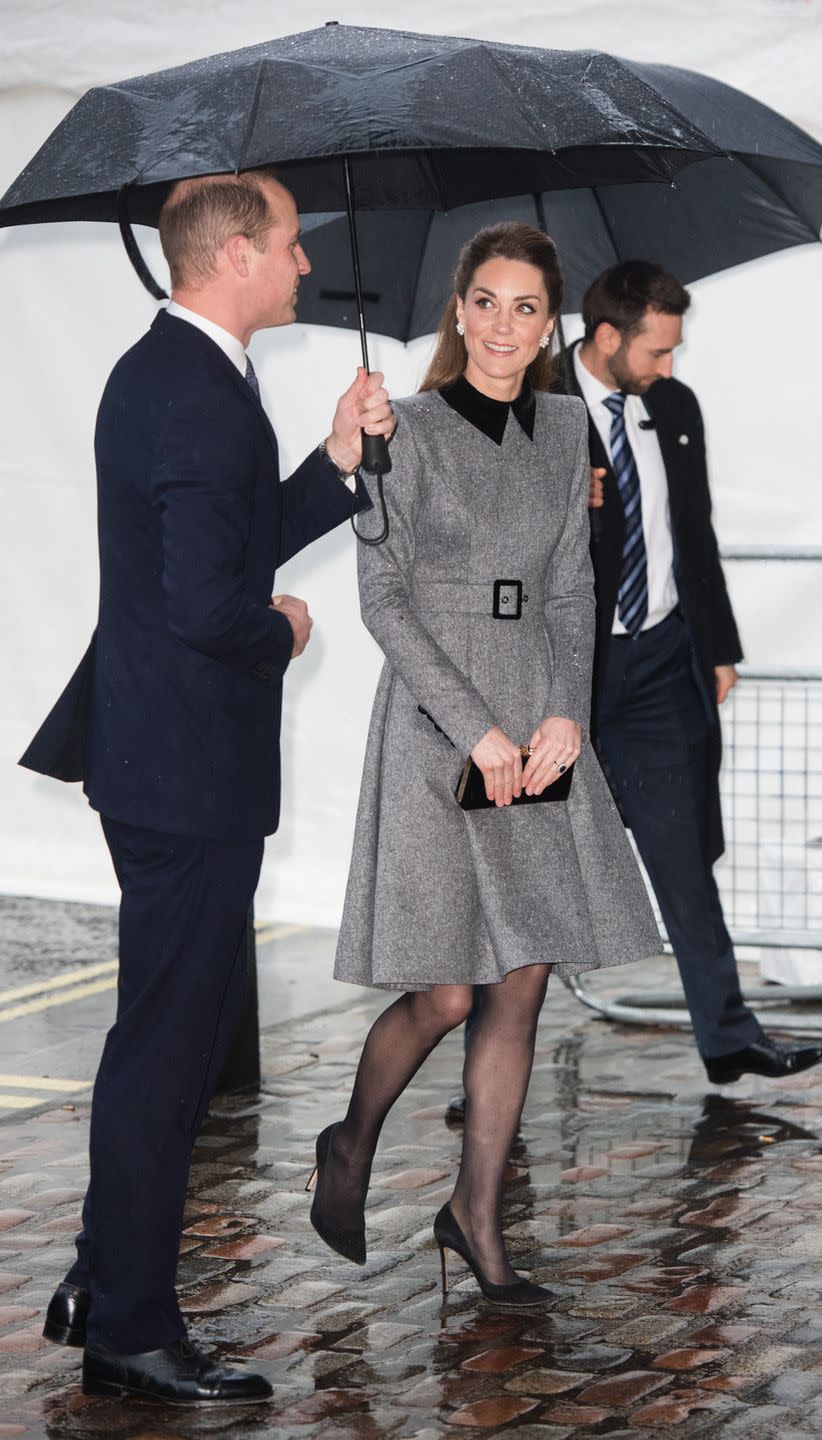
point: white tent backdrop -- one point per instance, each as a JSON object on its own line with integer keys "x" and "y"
{"x": 71, "y": 304}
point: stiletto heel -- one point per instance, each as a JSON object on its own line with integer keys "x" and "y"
{"x": 444, "y": 1269}
{"x": 348, "y": 1243}
{"x": 521, "y": 1292}
{"x": 312, "y": 1181}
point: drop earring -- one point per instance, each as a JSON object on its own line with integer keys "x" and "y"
{"x": 460, "y": 328}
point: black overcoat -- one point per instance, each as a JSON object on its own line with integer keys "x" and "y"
{"x": 703, "y": 595}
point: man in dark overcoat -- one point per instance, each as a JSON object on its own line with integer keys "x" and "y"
{"x": 172, "y": 724}
{"x": 667, "y": 642}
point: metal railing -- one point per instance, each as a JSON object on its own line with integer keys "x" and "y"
{"x": 770, "y": 878}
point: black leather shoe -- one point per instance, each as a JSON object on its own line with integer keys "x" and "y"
{"x": 179, "y": 1375}
{"x": 66, "y": 1316}
{"x": 455, "y": 1111}
{"x": 765, "y": 1057}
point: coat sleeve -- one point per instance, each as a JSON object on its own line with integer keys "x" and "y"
{"x": 314, "y": 501}
{"x": 385, "y": 578}
{"x": 569, "y": 594}
{"x": 726, "y": 647}
{"x": 201, "y": 487}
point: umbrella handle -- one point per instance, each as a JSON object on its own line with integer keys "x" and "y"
{"x": 377, "y": 461}
{"x": 375, "y": 457}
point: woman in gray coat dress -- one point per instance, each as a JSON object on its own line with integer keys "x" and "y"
{"x": 482, "y": 601}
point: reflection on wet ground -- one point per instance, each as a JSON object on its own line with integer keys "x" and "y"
{"x": 678, "y": 1227}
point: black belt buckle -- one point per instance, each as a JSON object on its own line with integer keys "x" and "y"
{"x": 502, "y": 603}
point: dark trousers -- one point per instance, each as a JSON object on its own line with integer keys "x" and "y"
{"x": 181, "y": 985}
{"x": 652, "y": 732}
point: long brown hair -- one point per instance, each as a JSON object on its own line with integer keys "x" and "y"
{"x": 509, "y": 240}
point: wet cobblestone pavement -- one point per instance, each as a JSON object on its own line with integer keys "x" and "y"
{"x": 678, "y": 1225}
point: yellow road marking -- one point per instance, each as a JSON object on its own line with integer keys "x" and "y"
{"x": 58, "y": 982}
{"x": 45, "y": 1002}
{"x": 43, "y": 1082}
{"x": 77, "y": 984}
{"x": 275, "y": 932}
{"x": 21, "y": 1102}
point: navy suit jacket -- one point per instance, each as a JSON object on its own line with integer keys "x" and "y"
{"x": 172, "y": 719}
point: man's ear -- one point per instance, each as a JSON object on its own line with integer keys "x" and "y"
{"x": 236, "y": 252}
{"x": 607, "y": 339}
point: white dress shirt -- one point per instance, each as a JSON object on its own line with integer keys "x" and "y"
{"x": 653, "y": 488}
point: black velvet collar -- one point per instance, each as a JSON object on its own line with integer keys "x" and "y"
{"x": 488, "y": 415}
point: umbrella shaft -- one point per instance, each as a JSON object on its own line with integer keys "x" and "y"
{"x": 355, "y": 258}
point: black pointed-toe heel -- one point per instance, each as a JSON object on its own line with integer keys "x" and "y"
{"x": 521, "y": 1292}
{"x": 348, "y": 1243}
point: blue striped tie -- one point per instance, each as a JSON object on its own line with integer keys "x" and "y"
{"x": 632, "y": 606}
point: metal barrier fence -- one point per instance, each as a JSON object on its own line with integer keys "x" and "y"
{"x": 770, "y": 878}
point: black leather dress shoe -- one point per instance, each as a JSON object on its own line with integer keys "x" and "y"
{"x": 179, "y": 1375}
{"x": 66, "y": 1316}
{"x": 765, "y": 1057}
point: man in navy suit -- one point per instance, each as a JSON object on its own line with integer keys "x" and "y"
{"x": 666, "y": 642}
{"x": 172, "y": 723}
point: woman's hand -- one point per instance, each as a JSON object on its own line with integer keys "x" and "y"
{"x": 500, "y": 761}
{"x": 557, "y": 742}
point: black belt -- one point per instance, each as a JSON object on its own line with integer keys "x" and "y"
{"x": 498, "y": 599}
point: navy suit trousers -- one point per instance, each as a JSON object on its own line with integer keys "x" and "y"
{"x": 182, "y": 981}
{"x": 651, "y": 735}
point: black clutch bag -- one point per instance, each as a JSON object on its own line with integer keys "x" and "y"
{"x": 470, "y": 791}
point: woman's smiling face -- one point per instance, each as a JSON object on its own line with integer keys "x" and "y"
{"x": 505, "y": 313}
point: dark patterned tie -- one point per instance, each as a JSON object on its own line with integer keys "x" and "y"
{"x": 632, "y": 607}
{"x": 251, "y": 377}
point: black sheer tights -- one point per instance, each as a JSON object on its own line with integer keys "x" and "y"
{"x": 497, "y": 1069}
{"x": 498, "y": 1060}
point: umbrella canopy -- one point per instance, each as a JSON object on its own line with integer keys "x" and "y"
{"x": 428, "y": 122}
{"x": 417, "y": 121}
{"x": 762, "y": 196}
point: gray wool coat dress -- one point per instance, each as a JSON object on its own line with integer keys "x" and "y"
{"x": 438, "y": 895}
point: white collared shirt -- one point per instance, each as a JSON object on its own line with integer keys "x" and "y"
{"x": 653, "y": 487}
{"x": 228, "y": 343}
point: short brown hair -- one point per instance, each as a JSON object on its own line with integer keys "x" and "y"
{"x": 509, "y": 240}
{"x": 622, "y": 295}
{"x": 199, "y": 215}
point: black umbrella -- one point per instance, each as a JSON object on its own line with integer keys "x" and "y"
{"x": 434, "y": 122}
{"x": 418, "y": 122}
{"x": 763, "y": 196}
